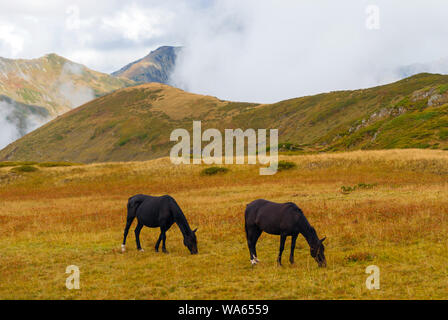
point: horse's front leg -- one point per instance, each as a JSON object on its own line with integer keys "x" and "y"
{"x": 158, "y": 242}
{"x": 163, "y": 235}
{"x": 293, "y": 246}
{"x": 282, "y": 247}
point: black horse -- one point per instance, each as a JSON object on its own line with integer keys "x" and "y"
{"x": 155, "y": 212}
{"x": 284, "y": 219}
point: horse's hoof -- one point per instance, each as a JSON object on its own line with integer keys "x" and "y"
{"x": 253, "y": 262}
{"x": 256, "y": 260}
{"x": 123, "y": 248}
{"x": 141, "y": 250}
{"x": 166, "y": 252}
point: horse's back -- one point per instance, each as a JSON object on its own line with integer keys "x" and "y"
{"x": 272, "y": 217}
{"x": 152, "y": 211}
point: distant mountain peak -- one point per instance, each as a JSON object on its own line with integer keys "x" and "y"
{"x": 154, "y": 67}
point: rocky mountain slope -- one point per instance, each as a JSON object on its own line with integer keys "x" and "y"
{"x": 155, "y": 67}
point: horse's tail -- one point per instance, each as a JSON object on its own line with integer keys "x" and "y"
{"x": 133, "y": 204}
{"x": 245, "y": 222}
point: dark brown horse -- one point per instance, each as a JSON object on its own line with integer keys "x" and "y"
{"x": 284, "y": 219}
{"x": 158, "y": 212}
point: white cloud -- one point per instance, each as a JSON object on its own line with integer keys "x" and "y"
{"x": 256, "y": 50}
{"x": 10, "y": 40}
{"x": 75, "y": 95}
{"x": 8, "y": 130}
{"x": 13, "y": 125}
{"x": 269, "y": 50}
{"x": 137, "y": 24}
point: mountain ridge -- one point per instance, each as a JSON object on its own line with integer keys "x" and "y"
{"x": 134, "y": 123}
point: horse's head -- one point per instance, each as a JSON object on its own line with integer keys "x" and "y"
{"x": 317, "y": 252}
{"x": 191, "y": 243}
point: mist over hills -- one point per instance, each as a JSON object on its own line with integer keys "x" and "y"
{"x": 54, "y": 82}
{"x": 17, "y": 119}
{"x": 50, "y": 84}
{"x": 135, "y": 123}
{"x": 437, "y": 66}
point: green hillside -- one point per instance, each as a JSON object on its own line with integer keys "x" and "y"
{"x": 135, "y": 123}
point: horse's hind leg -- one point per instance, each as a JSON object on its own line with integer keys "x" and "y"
{"x": 137, "y": 235}
{"x": 130, "y": 218}
{"x": 293, "y": 246}
{"x": 253, "y": 233}
{"x": 282, "y": 247}
{"x": 158, "y": 242}
{"x": 162, "y": 237}
{"x": 126, "y": 230}
{"x": 256, "y": 235}
{"x": 163, "y": 242}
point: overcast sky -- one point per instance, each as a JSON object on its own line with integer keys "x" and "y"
{"x": 249, "y": 50}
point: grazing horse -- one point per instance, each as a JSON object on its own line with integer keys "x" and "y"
{"x": 284, "y": 219}
{"x": 158, "y": 212}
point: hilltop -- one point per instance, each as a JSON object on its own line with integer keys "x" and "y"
{"x": 135, "y": 123}
{"x": 155, "y": 67}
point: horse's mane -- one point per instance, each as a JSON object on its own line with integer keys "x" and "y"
{"x": 179, "y": 216}
{"x": 308, "y": 230}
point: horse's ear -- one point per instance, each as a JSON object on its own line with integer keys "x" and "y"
{"x": 194, "y": 231}
{"x": 322, "y": 240}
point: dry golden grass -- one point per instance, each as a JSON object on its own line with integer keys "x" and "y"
{"x": 60, "y": 216}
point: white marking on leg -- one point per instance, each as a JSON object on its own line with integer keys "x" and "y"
{"x": 141, "y": 250}
{"x": 253, "y": 261}
{"x": 123, "y": 248}
{"x": 256, "y": 259}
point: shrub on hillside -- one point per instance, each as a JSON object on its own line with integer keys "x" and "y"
{"x": 24, "y": 168}
{"x": 286, "y": 165}
{"x": 15, "y": 163}
{"x": 213, "y": 170}
{"x": 56, "y": 164}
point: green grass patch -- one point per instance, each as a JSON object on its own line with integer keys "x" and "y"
{"x": 25, "y": 168}
{"x": 286, "y": 165}
{"x": 210, "y": 171}
{"x": 57, "y": 164}
{"x": 443, "y": 88}
{"x": 16, "y": 163}
{"x": 443, "y": 134}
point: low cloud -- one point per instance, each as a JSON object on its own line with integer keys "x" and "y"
{"x": 16, "y": 121}
{"x": 76, "y": 95}
{"x": 266, "y": 51}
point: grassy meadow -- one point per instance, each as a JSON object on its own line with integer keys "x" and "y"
{"x": 385, "y": 208}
